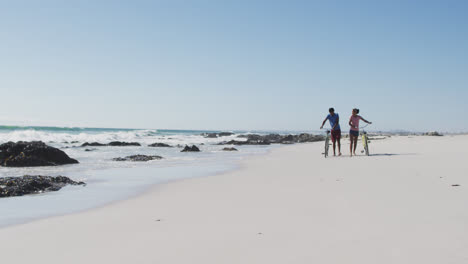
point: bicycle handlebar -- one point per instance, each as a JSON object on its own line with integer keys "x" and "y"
{"x": 364, "y": 126}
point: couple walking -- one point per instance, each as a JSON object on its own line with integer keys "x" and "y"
{"x": 334, "y": 120}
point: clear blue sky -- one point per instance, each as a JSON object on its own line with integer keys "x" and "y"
{"x": 234, "y": 64}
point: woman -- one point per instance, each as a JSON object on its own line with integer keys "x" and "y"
{"x": 354, "y": 131}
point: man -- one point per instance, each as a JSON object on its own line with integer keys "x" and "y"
{"x": 334, "y": 120}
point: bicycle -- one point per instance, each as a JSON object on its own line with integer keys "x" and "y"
{"x": 365, "y": 140}
{"x": 327, "y": 142}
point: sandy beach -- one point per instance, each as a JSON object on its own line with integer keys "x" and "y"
{"x": 399, "y": 205}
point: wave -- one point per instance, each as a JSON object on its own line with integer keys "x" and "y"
{"x": 6, "y": 128}
{"x": 64, "y": 137}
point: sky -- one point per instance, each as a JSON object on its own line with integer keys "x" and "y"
{"x": 234, "y": 65}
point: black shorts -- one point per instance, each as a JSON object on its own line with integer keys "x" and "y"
{"x": 354, "y": 133}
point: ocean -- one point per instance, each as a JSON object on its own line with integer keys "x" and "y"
{"x": 108, "y": 180}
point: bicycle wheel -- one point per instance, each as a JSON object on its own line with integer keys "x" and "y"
{"x": 365, "y": 141}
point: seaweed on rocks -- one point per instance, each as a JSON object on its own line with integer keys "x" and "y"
{"x": 32, "y": 184}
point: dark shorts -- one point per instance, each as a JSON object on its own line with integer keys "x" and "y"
{"x": 335, "y": 134}
{"x": 354, "y": 133}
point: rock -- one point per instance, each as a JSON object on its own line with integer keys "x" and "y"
{"x": 247, "y": 142}
{"x": 31, "y": 154}
{"x": 254, "y": 139}
{"x": 252, "y": 136}
{"x": 304, "y": 137}
{"x": 123, "y": 144}
{"x": 161, "y": 145}
{"x": 225, "y": 134}
{"x": 138, "y": 158}
{"x": 210, "y": 135}
{"x": 90, "y": 149}
{"x": 18, "y": 186}
{"x": 112, "y": 144}
{"x": 289, "y": 139}
{"x": 433, "y": 133}
{"x": 93, "y": 144}
{"x": 230, "y": 149}
{"x": 191, "y": 149}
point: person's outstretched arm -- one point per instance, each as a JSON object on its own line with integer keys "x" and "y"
{"x": 323, "y": 123}
{"x": 362, "y": 118}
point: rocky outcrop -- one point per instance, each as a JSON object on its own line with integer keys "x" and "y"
{"x": 160, "y": 145}
{"x": 123, "y": 144}
{"x": 112, "y": 144}
{"x": 32, "y": 154}
{"x": 191, "y": 149}
{"x": 433, "y": 133}
{"x": 225, "y": 134}
{"x": 93, "y": 144}
{"x": 230, "y": 149}
{"x": 246, "y": 142}
{"x": 210, "y": 135}
{"x": 138, "y": 158}
{"x": 255, "y": 139}
{"x": 18, "y": 186}
{"x": 216, "y": 135}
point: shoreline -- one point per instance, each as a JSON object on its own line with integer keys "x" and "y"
{"x": 229, "y": 165}
{"x": 289, "y": 206}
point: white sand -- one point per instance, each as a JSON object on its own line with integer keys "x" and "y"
{"x": 379, "y": 209}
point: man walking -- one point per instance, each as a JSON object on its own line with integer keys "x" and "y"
{"x": 334, "y": 120}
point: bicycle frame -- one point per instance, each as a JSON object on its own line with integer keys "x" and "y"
{"x": 327, "y": 142}
{"x": 365, "y": 140}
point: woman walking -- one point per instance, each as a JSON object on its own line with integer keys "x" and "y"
{"x": 354, "y": 130}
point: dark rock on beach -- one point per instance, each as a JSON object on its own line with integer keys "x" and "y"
{"x": 230, "y": 149}
{"x": 138, "y": 158}
{"x": 433, "y": 133}
{"x": 90, "y": 149}
{"x": 225, "y": 134}
{"x": 93, "y": 144}
{"x": 112, "y": 144}
{"x": 246, "y": 142}
{"x": 191, "y": 149}
{"x": 123, "y": 144}
{"x": 255, "y": 139}
{"x": 160, "y": 145}
{"x": 18, "y": 186}
{"x": 32, "y": 154}
{"x": 210, "y": 135}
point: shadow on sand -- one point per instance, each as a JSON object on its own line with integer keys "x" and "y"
{"x": 391, "y": 154}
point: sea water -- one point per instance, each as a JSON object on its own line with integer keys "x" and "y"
{"x": 108, "y": 180}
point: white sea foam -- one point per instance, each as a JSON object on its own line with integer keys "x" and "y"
{"x": 141, "y": 136}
